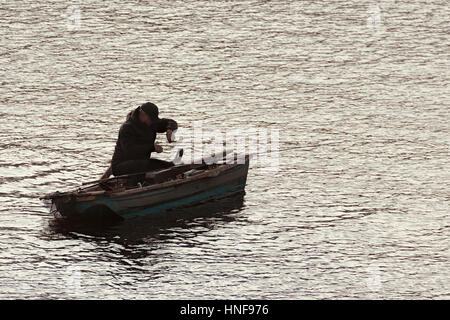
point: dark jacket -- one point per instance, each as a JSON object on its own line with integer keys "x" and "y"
{"x": 136, "y": 139}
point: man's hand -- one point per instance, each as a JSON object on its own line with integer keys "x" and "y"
{"x": 158, "y": 148}
{"x": 169, "y": 135}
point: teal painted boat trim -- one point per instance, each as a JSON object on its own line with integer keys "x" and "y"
{"x": 187, "y": 200}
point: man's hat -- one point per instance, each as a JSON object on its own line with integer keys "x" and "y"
{"x": 151, "y": 110}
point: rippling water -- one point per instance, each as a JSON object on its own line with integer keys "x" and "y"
{"x": 364, "y": 214}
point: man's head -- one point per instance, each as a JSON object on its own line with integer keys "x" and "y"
{"x": 148, "y": 113}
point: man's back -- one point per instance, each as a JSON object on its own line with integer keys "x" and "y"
{"x": 136, "y": 142}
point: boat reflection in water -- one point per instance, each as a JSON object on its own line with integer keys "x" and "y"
{"x": 167, "y": 224}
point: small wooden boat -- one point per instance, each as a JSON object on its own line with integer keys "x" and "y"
{"x": 147, "y": 193}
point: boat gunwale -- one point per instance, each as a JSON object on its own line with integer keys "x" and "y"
{"x": 114, "y": 194}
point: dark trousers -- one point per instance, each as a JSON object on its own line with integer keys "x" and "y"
{"x": 134, "y": 166}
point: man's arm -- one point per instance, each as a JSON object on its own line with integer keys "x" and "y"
{"x": 166, "y": 124}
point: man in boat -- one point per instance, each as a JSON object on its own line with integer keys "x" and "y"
{"x": 136, "y": 142}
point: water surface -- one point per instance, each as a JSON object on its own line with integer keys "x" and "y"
{"x": 364, "y": 214}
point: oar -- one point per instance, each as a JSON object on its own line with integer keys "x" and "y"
{"x": 107, "y": 173}
{"x": 176, "y": 168}
{"x": 179, "y": 168}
